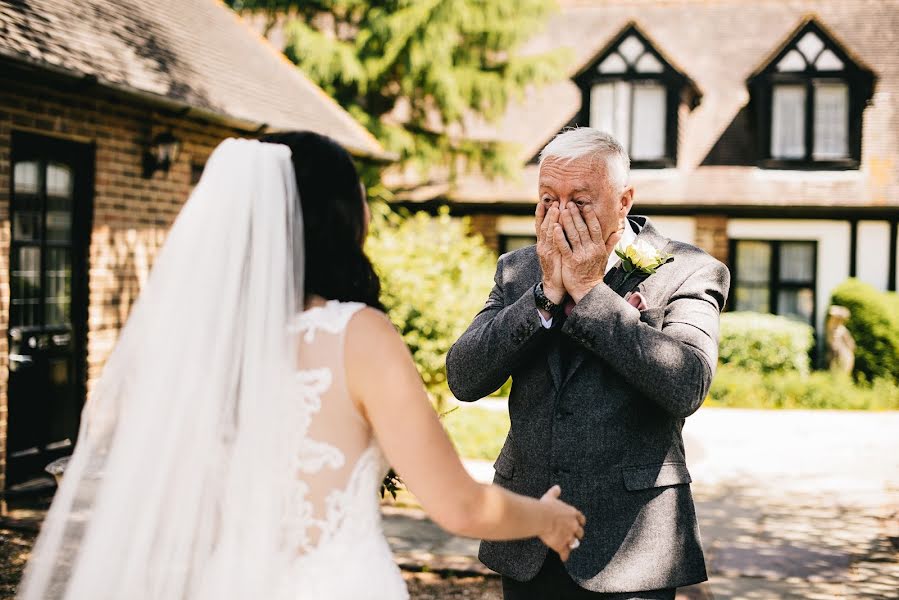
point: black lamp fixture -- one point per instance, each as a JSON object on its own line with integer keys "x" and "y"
{"x": 162, "y": 152}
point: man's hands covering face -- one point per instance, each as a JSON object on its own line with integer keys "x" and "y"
{"x": 573, "y": 249}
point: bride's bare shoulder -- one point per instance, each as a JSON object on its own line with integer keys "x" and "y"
{"x": 371, "y": 333}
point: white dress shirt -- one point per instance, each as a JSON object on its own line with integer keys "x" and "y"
{"x": 627, "y": 238}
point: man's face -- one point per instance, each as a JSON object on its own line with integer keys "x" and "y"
{"x": 585, "y": 182}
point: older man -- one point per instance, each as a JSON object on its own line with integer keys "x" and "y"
{"x": 607, "y": 356}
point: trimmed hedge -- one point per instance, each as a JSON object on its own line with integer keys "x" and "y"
{"x": 875, "y": 326}
{"x": 739, "y": 388}
{"x": 435, "y": 277}
{"x": 764, "y": 343}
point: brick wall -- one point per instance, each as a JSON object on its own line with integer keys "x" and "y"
{"x": 711, "y": 236}
{"x": 131, "y": 214}
{"x": 485, "y": 225}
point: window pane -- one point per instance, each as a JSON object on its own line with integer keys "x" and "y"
{"x": 810, "y": 45}
{"x": 753, "y": 262}
{"x": 25, "y": 176}
{"x": 648, "y": 63}
{"x": 59, "y": 180}
{"x": 613, "y": 64}
{"x": 797, "y": 304}
{"x": 831, "y": 120}
{"x": 610, "y": 106}
{"x": 648, "y": 141}
{"x": 788, "y": 121}
{"x": 792, "y": 61}
{"x": 630, "y": 49}
{"x": 797, "y": 262}
{"x": 828, "y": 61}
{"x": 602, "y": 107}
{"x": 755, "y": 299}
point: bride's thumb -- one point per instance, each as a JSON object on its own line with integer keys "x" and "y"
{"x": 554, "y": 492}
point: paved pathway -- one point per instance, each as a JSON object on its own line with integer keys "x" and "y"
{"x": 791, "y": 504}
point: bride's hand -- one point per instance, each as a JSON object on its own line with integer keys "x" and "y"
{"x": 564, "y": 523}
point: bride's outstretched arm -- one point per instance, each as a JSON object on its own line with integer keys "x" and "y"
{"x": 387, "y": 389}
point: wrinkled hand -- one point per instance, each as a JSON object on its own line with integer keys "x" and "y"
{"x": 565, "y": 523}
{"x": 585, "y": 252}
{"x": 550, "y": 258}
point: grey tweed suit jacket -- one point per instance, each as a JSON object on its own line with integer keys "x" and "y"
{"x": 607, "y": 425}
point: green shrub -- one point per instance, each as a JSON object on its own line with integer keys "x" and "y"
{"x": 764, "y": 343}
{"x": 874, "y": 324}
{"x": 435, "y": 277}
{"x": 739, "y": 388}
{"x": 477, "y": 432}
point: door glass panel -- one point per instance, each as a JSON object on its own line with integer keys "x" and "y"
{"x": 25, "y": 281}
{"x": 25, "y": 177}
{"x": 58, "y": 275}
{"x": 59, "y": 219}
{"x": 26, "y": 225}
{"x": 797, "y": 262}
{"x": 59, "y": 180}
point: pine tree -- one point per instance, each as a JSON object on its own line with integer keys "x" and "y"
{"x": 432, "y": 62}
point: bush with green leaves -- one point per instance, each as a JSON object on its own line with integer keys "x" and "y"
{"x": 874, "y": 324}
{"x": 741, "y": 388}
{"x": 764, "y": 343}
{"x": 435, "y": 276}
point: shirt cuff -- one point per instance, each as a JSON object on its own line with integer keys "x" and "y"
{"x": 547, "y": 323}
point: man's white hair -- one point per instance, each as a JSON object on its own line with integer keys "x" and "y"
{"x": 590, "y": 142}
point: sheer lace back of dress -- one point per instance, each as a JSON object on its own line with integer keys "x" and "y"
{"x": 337, "y": 456}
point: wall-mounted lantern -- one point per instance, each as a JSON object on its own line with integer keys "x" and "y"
{"x": 162, "y": 152}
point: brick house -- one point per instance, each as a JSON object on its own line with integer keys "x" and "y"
{"x": 108, "y": 112}
{"x": 766, "y": 132}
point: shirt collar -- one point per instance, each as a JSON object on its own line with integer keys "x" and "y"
{"x": 627, "y": 238}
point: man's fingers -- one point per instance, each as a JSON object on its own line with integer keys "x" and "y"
{"x": 613, "y": 241}
{"x": 574, "y": 238}
{"x": 539, "y": 215}
{"x": 594, "y": 226}
{"x": 560, "y": 241}
{"x": 551, "y": 218}
{"x": 579, "y": 224}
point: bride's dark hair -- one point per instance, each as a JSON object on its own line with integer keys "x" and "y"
{"x": 331, "y": 196}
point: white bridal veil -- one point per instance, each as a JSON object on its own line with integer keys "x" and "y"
{"x": 177, "y": 487}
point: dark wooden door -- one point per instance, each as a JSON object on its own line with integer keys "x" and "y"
{"x": 50, "y": 215}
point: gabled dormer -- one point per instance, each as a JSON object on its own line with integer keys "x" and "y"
{"x": 632, "y": 91}
{"x": 808, "y": 99}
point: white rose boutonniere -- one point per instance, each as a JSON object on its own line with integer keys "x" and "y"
{"x": 641, "y": 257}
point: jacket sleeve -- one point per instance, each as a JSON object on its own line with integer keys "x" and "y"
{"x": 672, "y": 366}
{"x": 481, "y": 361}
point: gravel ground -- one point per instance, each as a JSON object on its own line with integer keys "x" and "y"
{"x": 430, "y": 586}
{"x": 14, "y": 549}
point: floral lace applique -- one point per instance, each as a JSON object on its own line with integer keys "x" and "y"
{"x": 332, "y": 318}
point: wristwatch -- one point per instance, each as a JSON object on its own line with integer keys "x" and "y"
{"x": 543, "y": 302}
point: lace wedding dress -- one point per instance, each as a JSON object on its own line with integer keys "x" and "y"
{"x": 335, "y": 523}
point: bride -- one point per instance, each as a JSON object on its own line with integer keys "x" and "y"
{"x": 236, "y": 441}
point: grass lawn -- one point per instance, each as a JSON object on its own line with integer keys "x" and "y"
{"x": 477, "y": 432}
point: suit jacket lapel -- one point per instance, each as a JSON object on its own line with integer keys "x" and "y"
{"x": 617, "y": 280}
